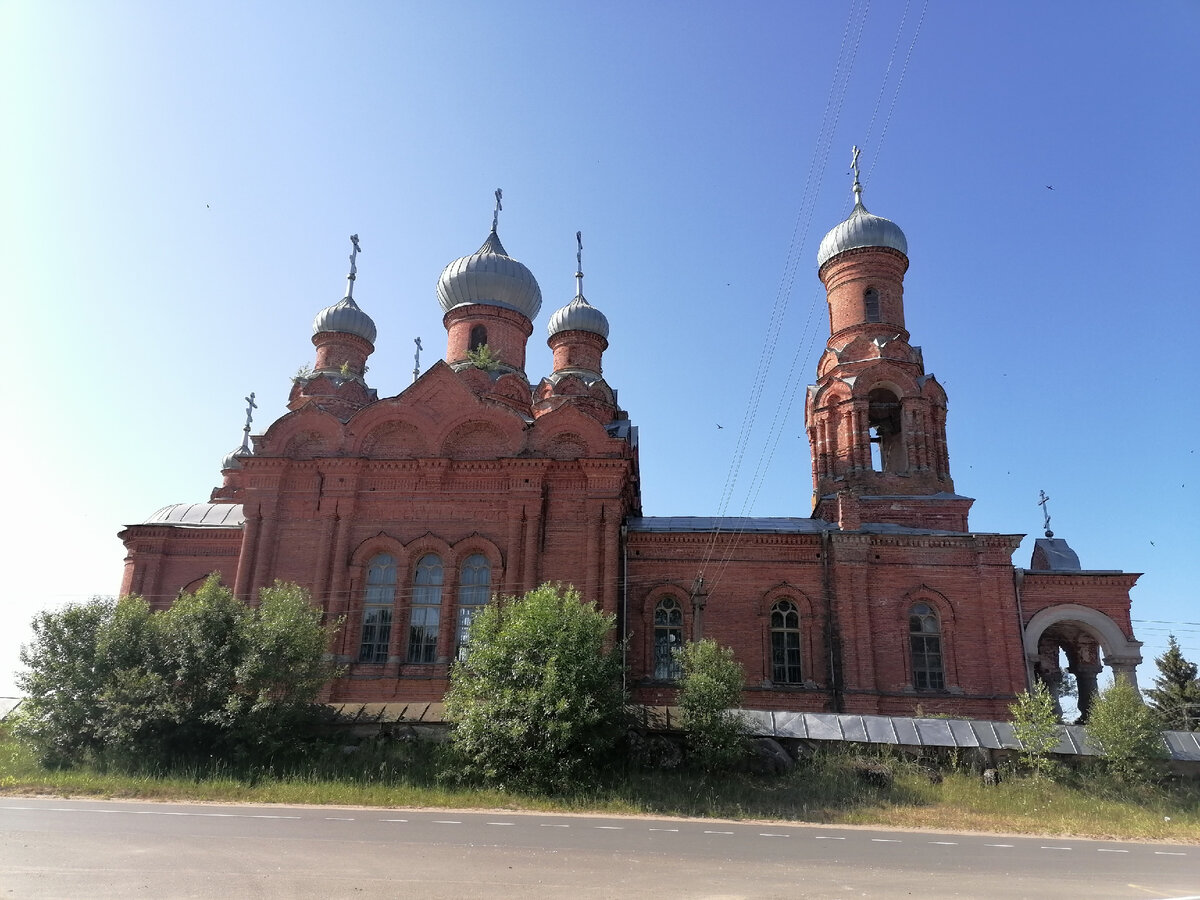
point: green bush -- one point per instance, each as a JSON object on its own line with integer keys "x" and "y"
{"x": 537, "y": 703}
{"x": 209, "y": 678}
{"x": 1036, "y": 726}
{"x": 710, "y": 691}
{"x": 1123, "y": 730}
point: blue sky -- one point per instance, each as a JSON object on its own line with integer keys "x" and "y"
{"x": 179, "y": 181}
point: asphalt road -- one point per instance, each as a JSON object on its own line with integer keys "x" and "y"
{"x": 101, "y": 849}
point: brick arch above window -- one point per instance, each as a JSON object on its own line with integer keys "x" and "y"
{"x": 373, "y": 546}
{"x": 785, "y": 591}
{"x": 476, "y": 543}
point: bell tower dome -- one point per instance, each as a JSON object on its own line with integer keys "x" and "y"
{"x": 876, "y": 421}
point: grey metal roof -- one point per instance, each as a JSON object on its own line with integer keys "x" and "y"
{"x": 199, "y": 515}
{"x": 1053, "y": 555}
{"x": 913, "y": 732}
{"x": 491, "y": 277}
{"x": 764, "y": 525}
{"x": 345, "y": 317}
{"x": 861, "y": 229}
{"x": 745, "y": 524}
{"x": 578, "y": 315}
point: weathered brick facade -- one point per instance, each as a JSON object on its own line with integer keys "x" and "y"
{"x": 399, "y": 514}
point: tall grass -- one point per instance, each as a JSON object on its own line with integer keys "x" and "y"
{"x": 827, "y": 788}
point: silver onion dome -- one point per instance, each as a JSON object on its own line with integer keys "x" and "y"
{"x": 345, "y": 317}
{"x": 491, "y": 277}
{"x": 861, "y": 229}
{"x": 579, "y": 315}
{"x": 233, "y": 459}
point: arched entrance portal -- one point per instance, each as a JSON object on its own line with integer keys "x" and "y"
{"x": 1088, "y": 639}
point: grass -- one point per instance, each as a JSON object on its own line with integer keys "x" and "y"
{"x": 823, "y": 789}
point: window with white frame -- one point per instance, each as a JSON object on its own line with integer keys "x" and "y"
{"x": 426, "y": 612}
{"x": 785, "y": 643}
{"x": 378, "y": 602}
{"x": 925, "y": 643}
{"x": 474, "y": 591}
{"x": 668, "y": 639}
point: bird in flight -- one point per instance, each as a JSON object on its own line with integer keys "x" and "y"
{"x": 1049, "y": 187}
{"x": 719, "y": 425}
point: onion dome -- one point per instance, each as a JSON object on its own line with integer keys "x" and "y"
{"x": 861, "y": 229}
{"x": 579, "y": 315}
{"x": 491, "y": 277}
{"x": 345, "y": 317}
{"x": 233, "y": 459}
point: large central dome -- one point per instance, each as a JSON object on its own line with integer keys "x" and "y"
{"x": 491, "y": 277}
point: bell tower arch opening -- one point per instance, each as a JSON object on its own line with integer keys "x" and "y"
{"x": 885, "y": 424}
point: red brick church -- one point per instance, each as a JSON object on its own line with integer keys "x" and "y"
{"x": 404, "y": 514}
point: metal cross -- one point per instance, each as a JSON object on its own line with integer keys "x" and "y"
{"x": 496, "y": 213}
{"x": 417, "y": 359}
{"x": 1045, "y": 513}
{"x": 353, "y": 266}
{"x": 854, "y": 160}
{"x": 579, "y": 264}
{"x": 250, "y": 407}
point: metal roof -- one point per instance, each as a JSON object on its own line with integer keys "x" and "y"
{"x": 911, "y": 732}
{"x": 764, "y": 525}
{"x": 199, "y": 515}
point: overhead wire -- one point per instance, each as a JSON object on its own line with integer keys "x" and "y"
{"x": 830, "y": 115}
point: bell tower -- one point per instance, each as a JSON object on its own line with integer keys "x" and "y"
{"x": 876, "y": 421}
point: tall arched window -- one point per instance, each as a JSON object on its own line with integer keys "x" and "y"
{"x": 426, "y": 610}
{"x": 474, "y": 591}
{"x": 668, "y": 637}
{"x": 785, "y": 643}
{"x": 478, "y": 336}
{"x": 378, "y": 601}
{"x": 871, "y": 305}
{"x": 925, "y": 643}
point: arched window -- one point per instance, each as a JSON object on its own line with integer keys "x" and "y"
{"x": 785, "y": 643}
{"x": 426, "y": 610}
{"x": 378, "y": 601}
{"x": 871, "y": 305}
{"x": 474, "y": 591}
{"x": 925, "y": 643}
{"x": 478, "y": 336}
{"x": 668, "y": 638}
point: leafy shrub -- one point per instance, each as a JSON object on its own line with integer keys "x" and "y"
{"x": 710, "y": 691}
{"x": 537, "y": 703}
{"x": 207, "y": 679}
{"x": 1036, "y": 726}
{"x": 1122, "y": 728}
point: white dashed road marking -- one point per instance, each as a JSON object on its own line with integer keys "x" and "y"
{"x": 886, "y": 841}
{"x": 718, "y": 832}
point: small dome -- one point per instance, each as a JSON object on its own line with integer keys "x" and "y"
{"x": 344, "y": 317}
{"x": 492, "y": 277}
{"x": 862, "y": 229}
{"x": 233, "y": 459}
{"x": 579, "y": 315}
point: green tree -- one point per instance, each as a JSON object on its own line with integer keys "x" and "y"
{"x": 710, "y": 691}
{"x": 1175, "y": 697}
{"x": 1122, "y": 729}
{"x": 207, "y": 678}
{"x": 1036, "y": 726}
{"x": 537, "y": 703}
